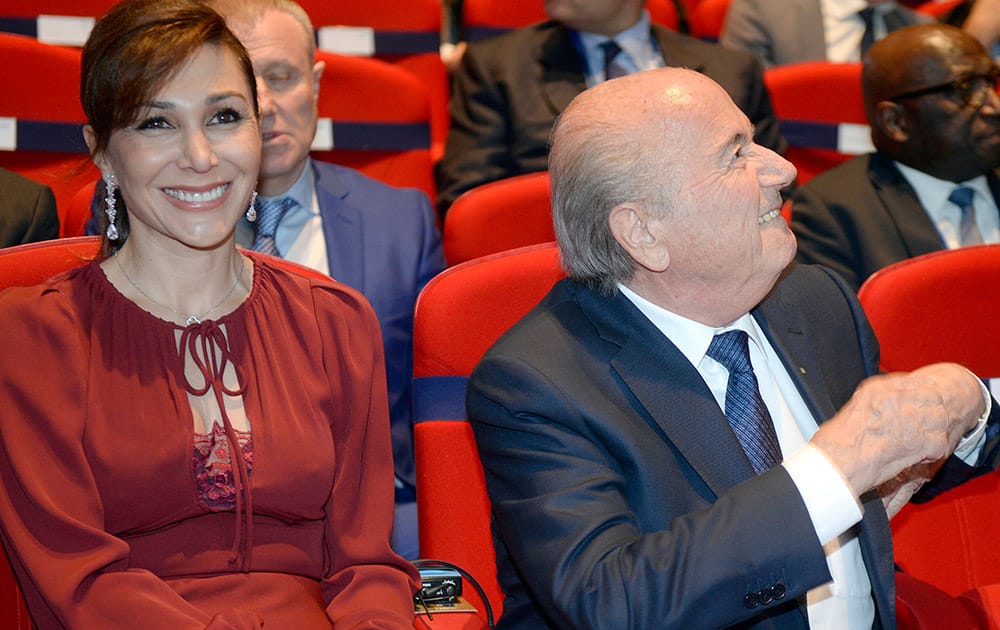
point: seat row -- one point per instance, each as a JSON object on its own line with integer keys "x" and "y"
{"x": 926, "y": 309}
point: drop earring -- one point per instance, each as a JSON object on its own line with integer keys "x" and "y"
{"x": 252, "y": 210}
{"x": 110, "y": 186}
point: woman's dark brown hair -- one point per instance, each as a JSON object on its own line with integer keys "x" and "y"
{"x": 132, "y": 52}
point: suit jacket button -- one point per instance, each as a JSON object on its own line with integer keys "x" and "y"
{"x": 751, "y": 601}
{"x": 778, "y": 591}
{"x": 765, "y": 596}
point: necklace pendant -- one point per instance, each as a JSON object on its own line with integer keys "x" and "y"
{"x": 192, "y": 319}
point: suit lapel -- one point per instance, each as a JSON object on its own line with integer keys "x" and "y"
{"x": 675, "y": 50}
{"x": 916, "y": 230}
{"x": 563, "y": 71}
{"x": 994, "y": 184}
{"x": 680, "y": 408}
{"x": 786, "y": 328}
{"x": 342, "y": 228}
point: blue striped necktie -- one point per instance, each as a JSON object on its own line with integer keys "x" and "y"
{"x": 269, "y": 214}
{"x": 745, "y": 409}
{"x": 612, "y": 68}
{"x": 969, "y": 232}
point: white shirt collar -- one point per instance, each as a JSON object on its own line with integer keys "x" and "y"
{"x": 690, "y": 337}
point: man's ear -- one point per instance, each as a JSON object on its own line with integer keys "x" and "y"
{"x": 892, "y": 120}
{"x": 317, "y": 72}
{"x": 633, "y": 227}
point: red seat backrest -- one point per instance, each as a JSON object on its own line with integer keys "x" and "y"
{"x": 407, "y": 37}
{"x": 942, "y": 542}
{"x": 937, "y": 8}
{"x": 821, "y": 112}
{"x": 498, "y": 216}
{"x": 708, "y": 17}
{"x": 459, "y": 315}
{"x": 380, "y": 118}
{"x": 937, "y": 307}
{"x": 41, "y": 119}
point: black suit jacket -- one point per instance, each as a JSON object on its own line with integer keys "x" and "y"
{"x": 863, "y": 215}
{"x": 27, "y": 210}
{"x": 509, "y": 90}
{"x": 621, "y": 497}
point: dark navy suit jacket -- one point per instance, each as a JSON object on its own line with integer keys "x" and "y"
{"x": 622, "y": 498}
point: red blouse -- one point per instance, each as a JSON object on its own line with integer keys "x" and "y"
{"x": 101, "y": 509}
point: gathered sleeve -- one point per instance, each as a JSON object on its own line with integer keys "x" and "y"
{"x": 365, "y": 583}
{"x": 73, "y": 572}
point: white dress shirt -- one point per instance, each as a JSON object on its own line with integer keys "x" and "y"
{"x": 843, "y": 28}
{"x": 639, "y": 50}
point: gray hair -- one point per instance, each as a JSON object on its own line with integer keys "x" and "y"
{"x": 597, "y": 161}
{"x": 245, "y": 14}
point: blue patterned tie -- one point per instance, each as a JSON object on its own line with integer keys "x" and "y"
{"x": 969, "y": 231}
{"x": 744, "y": 407}
{"x": 612, "y": 69}
{"x": 269, "y": 214}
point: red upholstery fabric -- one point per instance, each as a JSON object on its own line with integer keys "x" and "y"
{"x": 937, "y": 8}
{"x": 708, "y": 18}
{"x": 920, "y": 606}
{"x": 31, "y": 263}
{"x": 804, "y": 94}
{"x": 43, "y": 85}
{"x": 986, "y": 600}
{"x": 936, "y": 307}
{"x": 83, "y": 8}
{"x": 389, "y": 16}
{"x": 504, "y": 14}
{"x": 931, "y": 308}
{"x": 459, "y": 315}
{"x": 498, "y": 216}
{"x": 73, "y": 216}
{"x": 949, "y": 542}
{"x": 362, "y": 90}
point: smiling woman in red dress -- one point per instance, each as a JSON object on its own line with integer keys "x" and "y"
{"x": 190, "y": 436}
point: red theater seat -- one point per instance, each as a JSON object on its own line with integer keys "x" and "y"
{"x": 459, "y": 315}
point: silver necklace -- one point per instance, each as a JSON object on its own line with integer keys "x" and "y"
{"x": 191, "y": 319}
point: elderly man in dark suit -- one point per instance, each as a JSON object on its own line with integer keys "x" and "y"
{"x": 509, "y": 89}
{"x": 930, "y": 98}
{"x": 682, "y": 434}
{"x": 27, "y": 210}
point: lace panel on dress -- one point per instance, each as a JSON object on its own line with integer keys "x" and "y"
{"x": 213, "y": 467}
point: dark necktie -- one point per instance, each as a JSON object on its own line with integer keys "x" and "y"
{"x": 969, "y": 233}
{"x": 744, "y": 407}
{"x": 269, "y": 214}
{"x": 612, "y": 68}
{"x": 868, "y": 16}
